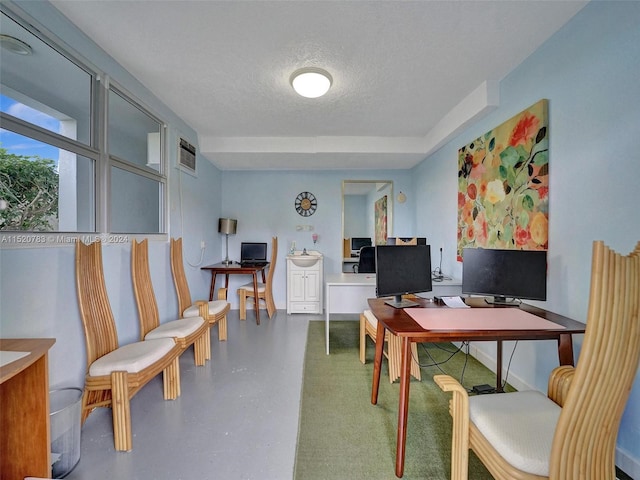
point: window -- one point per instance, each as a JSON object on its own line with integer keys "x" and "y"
{"x": 46, "y": 189}
{"x": 72, "y": 159}
{"x": 135, "y": 150}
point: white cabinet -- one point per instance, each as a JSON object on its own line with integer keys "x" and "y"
{"x": 304, "y": 287}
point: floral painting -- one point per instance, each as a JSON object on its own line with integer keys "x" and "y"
{"x": 380, "y": 211}
{"x": 503, "y": 185}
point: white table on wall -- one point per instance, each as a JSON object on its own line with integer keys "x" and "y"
{"x": 349, "y": 292}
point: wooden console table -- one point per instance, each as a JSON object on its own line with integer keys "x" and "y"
{"x": 25, "y": 442}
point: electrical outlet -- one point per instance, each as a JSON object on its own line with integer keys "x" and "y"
{"x": 203, "y": 245}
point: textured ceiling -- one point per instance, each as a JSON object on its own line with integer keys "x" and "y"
{"x": 407, "y": 74}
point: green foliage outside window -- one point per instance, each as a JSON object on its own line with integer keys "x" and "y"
{"x": 28, "y": 193}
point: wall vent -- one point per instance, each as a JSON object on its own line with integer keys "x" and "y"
{"x": 187, "y": 155}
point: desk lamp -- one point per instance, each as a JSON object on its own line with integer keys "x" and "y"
{"x": 227, "y": 226}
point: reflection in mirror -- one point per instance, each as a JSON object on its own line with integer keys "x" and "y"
{"x": 367, "y": 212}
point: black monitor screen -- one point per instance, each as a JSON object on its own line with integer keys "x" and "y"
{"x": 358, "y": 242}
{"x": 402, "y": 269}
{"x": 505, "y": 274}
{"x": 250, "y": 251}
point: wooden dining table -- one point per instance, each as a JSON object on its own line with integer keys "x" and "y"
{"x": 235, "y": 268}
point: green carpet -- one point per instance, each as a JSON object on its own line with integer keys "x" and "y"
{"x": 342, "y": 436}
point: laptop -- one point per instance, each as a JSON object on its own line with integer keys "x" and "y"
{"x": 253, "y": 253}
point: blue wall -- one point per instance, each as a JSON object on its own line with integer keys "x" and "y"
{"x": 263, "y": 203}
{"x": 589, "y": 72}
{"x": 37, "y": 286}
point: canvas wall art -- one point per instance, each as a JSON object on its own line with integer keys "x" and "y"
{"x": 503, "y": 185}
{"x": 380, "y": 210}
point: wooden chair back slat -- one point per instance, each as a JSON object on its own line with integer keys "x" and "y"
{"x": 148, "y": 315}
{"x": 95, "y": 311}
{"x": 587, "y": 429}
{"x": 272, "y": 263}
{"x": 179, "y": 276}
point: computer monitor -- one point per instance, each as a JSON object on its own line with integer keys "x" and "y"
{"x": 402, "y": 269}
{"x": 505, "y": 275}
{"x": 358, "y": 242}
{"x": 253, "y": 252}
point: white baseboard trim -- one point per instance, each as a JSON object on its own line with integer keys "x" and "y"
{"x": 624, "y": 460}
{"x": 627, "y": 463}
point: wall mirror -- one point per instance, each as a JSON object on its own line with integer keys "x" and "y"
{"x": 367, "y": 212}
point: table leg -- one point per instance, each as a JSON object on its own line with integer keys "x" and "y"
{"x": 212, "y": 289}
{"x": 499, "y": 367}
{"x": 403, "y": 407}
{"x": 326, "y": 318}
{"x": 377, "y": 362}
{"x": 565, "y": 349}
{"x": 256, "y": 300}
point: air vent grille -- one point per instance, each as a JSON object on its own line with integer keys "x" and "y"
{"x": 187, "y": 157}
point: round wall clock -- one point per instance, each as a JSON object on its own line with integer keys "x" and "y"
{"x": 306, "y": 204}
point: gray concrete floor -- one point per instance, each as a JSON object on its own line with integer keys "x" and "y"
{"x": 237, "y": 416}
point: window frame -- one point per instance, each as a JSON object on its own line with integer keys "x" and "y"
{"x": 97, "y": 151}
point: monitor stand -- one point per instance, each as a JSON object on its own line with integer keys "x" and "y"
{"x": 399, "y": 302}
{"x": 502, "y": 301}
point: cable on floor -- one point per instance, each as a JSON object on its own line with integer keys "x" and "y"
{"x": 465, "y": 345}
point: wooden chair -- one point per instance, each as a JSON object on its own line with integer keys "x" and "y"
{"x": 116, "y": 373}
{"x": 265, "y": 290}
{"x": 570, "y": 433}
{"x": 186, "y": 332}
{"x": 214, "y": 311}
{"x": 368, "y": 326}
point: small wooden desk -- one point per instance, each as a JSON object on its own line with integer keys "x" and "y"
{"x": 397, "y": 321}
{"x": 237, "y": 269}
{"x": 25, "y": 441}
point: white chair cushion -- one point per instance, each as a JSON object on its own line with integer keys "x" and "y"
{"x": 132, "y": 358}
{"x": 519, "y": 425}
{"x": 215, "y": 307}
{"x": 249, "y": 286}
{"x": 176, "y": 328}
{"x": 371, "y": 318}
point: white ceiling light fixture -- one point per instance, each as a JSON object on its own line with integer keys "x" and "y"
{"x": 15, "y": 45}
{"x": 311, "y": 82}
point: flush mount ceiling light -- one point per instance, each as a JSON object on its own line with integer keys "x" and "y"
{"x": 14, "y": 45}
{"x": 311, "y": 82}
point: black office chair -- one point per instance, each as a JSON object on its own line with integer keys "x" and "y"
{"x": 367, "y": 260}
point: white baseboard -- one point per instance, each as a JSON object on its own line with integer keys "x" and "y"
{"x": 624, "y": 460}
{"x": 627, "y": 463}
